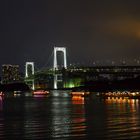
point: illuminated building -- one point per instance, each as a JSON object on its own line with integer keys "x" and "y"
{"x": 10, "y": 73}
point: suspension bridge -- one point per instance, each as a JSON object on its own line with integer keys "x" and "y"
{"x": 82, "y": 73}
{"x": 29, "y": 73}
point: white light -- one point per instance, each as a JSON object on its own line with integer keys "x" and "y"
{"x": 55, "y": 81}
{"x": 62, "y": 49}
{"x": 26, "y": 69}
{"x": 26, "y": 72}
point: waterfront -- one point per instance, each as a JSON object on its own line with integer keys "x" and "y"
{"x": 64, "y": 117}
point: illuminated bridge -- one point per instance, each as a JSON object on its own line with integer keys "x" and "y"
{"x": 56, "y": 71}
{"x": 74, "y": 76}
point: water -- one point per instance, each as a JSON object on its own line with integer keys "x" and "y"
{"x": 69, "y": 118}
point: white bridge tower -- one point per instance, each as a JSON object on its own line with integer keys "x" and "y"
{"x": 32, "y": 73}
{"x": 26, "y": 68}
{"x": 59, "y": 49}
{"x": 58, "y": 77}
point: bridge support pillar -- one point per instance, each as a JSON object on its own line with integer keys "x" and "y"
{"x": 61, "y": 49}
{"x": 27, "y": 74}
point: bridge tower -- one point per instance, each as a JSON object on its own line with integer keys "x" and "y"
{"x": 59, "y": 49}
{"x": 26, "y": 69}
{"x": 27, "y": 74}
{"x": 58, "y": 77}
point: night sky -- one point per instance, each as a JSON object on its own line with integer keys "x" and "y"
{"x": 91, "y": 30}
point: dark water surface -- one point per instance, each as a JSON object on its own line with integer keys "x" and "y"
{"x": 69, "y": 118}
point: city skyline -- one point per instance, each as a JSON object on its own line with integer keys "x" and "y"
{"x": 70, "y": 69}
{"x": 92, "y": 31}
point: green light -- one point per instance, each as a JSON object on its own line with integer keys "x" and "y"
{"x": 75, "y": 82}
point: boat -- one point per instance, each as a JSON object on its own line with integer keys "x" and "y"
{"x": 40, "y": 92}
{"x": 80, "y": 93}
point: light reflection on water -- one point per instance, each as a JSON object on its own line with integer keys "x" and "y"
{"x": 69, "y": 118}
{"x": 123, "y": 118}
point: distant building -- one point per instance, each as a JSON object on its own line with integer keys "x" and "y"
{"x": 10, "y": 73}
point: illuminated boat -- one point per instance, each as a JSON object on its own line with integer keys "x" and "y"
{"x": 40, "y": 92}
{"x": 121, "y": 94}
{"x": 80, "y": 93}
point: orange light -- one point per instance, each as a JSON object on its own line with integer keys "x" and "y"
{"x": 77, "y": 100}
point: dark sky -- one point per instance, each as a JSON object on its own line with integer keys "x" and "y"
{"x": 91, "y": 30}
